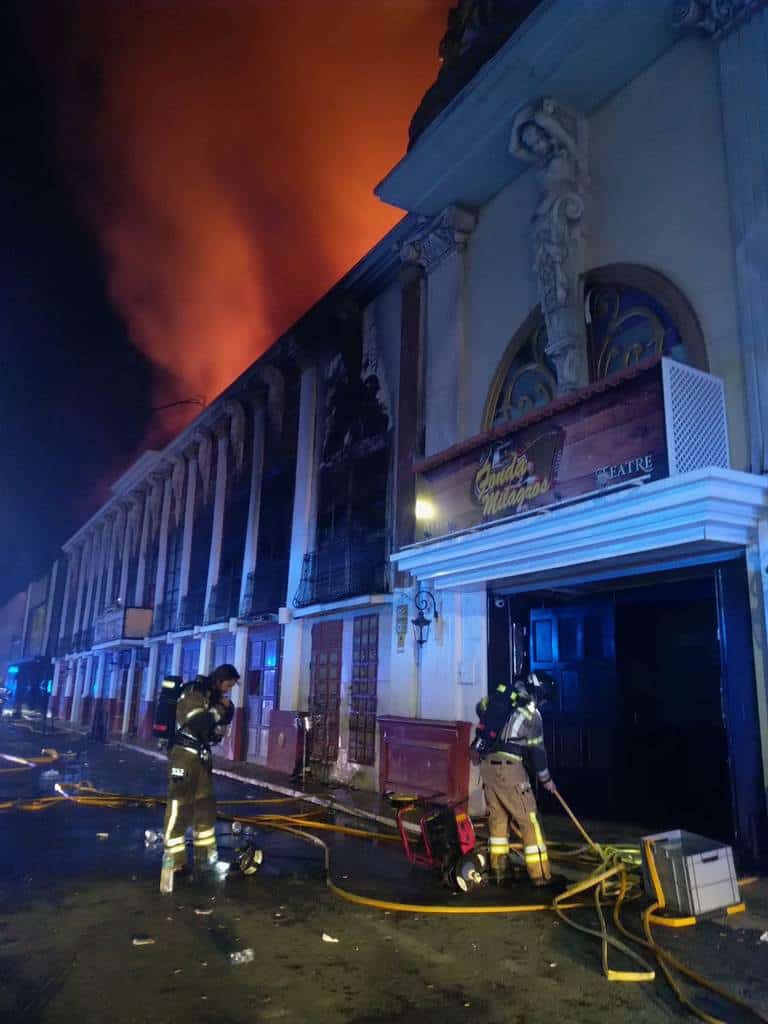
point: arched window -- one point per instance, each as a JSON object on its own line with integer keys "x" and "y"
{"x": 632, "y": 314}
{"x": 525, "y": 378}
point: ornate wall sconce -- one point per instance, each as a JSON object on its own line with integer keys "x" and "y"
{"x": 423, "y": 600}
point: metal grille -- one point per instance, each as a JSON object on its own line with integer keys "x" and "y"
{"x": 362, "y": 704}
{"x": 697, "y": 429}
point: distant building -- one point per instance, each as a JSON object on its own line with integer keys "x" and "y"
{"x": 532, "y": 419}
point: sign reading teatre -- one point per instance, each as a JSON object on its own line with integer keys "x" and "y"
{"x": 614, "y": 434}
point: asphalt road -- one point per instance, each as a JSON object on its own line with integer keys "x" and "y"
{"x": 72, "y": 903}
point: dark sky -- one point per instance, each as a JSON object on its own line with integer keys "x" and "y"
{"x": 179, "y": 180}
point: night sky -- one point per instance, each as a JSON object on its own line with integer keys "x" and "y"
{"x": 180, "y": 179}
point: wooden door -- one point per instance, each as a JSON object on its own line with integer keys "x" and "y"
{"x": 362, "y": 697}
{"x": 260, "y": 694}
{"x": 325, "y": 689}
{"x": 575, "y": 644}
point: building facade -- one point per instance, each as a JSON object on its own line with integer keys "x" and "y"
{"x": 528, "y": 428}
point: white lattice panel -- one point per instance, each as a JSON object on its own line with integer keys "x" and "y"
{"x": 694, "y": 410}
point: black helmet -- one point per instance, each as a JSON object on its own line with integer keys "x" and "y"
{"x": 223, "y": 673}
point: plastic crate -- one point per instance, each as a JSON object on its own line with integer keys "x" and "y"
{"x": 696, "y": 874}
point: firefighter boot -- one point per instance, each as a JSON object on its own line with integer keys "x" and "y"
{"x": 166, "y": 874}
{"x": 499, "y": 868}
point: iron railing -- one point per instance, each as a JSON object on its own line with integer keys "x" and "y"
{"x": 343, "y": 569}
{"x": 225, "y": 597}
{"x": 162, "y": 619}
{"x": 191, "y": 609}
{"x": 265, "y": 589}
{"x": 65, "y": 645}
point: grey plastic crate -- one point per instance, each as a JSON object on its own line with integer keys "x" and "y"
{"x": 696, "y": 873}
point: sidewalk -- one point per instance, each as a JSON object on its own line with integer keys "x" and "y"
{"x": 357, "y": 803}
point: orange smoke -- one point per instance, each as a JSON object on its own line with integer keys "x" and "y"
{"x": 227, "y": 152}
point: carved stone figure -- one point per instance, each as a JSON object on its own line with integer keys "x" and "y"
{"x": 715, "y": 18}
{"x": 554, "y": 140}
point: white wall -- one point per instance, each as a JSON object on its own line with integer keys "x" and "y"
{"x": 659, "y": 198}
{"x": 501, "y": 287}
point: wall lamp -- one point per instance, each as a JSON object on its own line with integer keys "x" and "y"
{"x": 423, "y": 600}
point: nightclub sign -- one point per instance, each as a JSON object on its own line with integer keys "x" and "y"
{"x": 609, "y": 435}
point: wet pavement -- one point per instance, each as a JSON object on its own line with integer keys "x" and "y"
{"x": 72, "y": 903}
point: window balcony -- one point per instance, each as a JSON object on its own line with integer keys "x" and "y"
{"x": 343, "y": 569}
{"x": 122, "y": 624}
{"x": 191, "y": 610}
{"x": 65, "y": 645}
{"x": 162, "y": 620}
{"x": 265, "y": 589}
{"x": 225, "y": 598}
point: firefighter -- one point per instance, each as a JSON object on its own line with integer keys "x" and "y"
{"x": 508, "y": 734}
{"x": 203, "y": 712}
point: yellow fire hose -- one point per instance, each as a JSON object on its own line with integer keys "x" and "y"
{"x": 612, "y": 880}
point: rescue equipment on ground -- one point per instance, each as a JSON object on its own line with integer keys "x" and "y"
{"x": 164, "y": 725}
{"x": 447, "y": 840}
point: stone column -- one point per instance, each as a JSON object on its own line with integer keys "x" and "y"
{"x": 109, "y": 564}
{"x": 162, "y": 551}
{"x": 129, "y": 544}
{"x": 302, "y": 532}
{"x": 219, "y": 501}
{"x": 77, "y": 689}
{"x": 138, "y": 596}
{"x": 146, "y": 703}
{"x": 189, "y": 522}
{"x": 52, "y": 577}
{"x": 555, "y": 141}
{"x": 254, "y": 500}
{"x": 739, "y": 29}
{"x": 67, "y": 603}
{"x": 129, "y": 688}
{"x": 439, "y": 247}
{"x": 83, "y": 567}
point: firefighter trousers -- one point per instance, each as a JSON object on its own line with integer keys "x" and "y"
{"x": 509, "y": 796}
{"x": 190, "y": 802}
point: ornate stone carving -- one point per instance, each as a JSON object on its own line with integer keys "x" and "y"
{"x": 236, "y": 431}
{"x": 204, "y": 453}
{"x": 554, "y": 139}
{"x": 133, "y": 524}
{"x": 437, "y": 237}
{"x": 154, "y": 504}
{"x": 177, "y": 488}
{"x": 715, "y": 18}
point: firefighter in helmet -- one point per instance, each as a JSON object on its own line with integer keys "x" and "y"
{"x": 509, "y": 734}
{"x": 203, "y": 712}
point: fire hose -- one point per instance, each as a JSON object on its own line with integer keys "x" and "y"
{"x": 612, "y": 881}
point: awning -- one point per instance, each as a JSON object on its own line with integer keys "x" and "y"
{"x": 692, "y": 518}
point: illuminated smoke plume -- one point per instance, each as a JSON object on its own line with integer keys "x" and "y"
{"x": 226, "y": 154}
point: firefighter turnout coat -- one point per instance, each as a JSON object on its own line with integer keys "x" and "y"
{"x": 201, "y": 722}
{"x": 509, "y": 734}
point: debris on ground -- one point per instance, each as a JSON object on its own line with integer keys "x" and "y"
{"x": 203, "y": 911}
{"x": 242, "y": 956}
{"x": 102, "y": 835}
{"x": 328, "y": 938}
{"x": 142, "y": 940}
{"x": 764, "y": 937}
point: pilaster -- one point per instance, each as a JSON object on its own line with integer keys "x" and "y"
{"x": 439, "y": 248}
{"x": 219, "y": 501}
{"x": 254, "y": 501}
{"x": 189, "y": 522}
{"x": 162, "y": 551}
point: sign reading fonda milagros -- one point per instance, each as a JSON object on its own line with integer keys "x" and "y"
{"x": 613, "y": 434}
{"x": 511, "y": 476}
